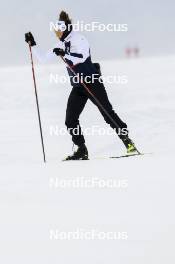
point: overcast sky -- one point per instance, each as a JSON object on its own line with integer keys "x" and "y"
{"x": 151, "y": 25}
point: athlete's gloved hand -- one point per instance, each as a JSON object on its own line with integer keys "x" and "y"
{"x": 59, "y": 52}
{"x": 30, "y": 39}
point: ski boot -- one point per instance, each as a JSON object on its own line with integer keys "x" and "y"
{"x": 80, "y": 154}
{"x": 130, "y": 146}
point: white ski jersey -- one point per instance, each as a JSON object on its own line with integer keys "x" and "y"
{"x": 75, "y": 45}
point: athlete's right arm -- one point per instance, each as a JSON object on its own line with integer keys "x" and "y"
{"x": 42, "y": 57}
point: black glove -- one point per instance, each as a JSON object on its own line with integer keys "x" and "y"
{"x": 30, "y": 39}
{"x": 59, "y": 52}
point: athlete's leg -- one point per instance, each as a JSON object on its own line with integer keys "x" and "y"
{"x": 76, "y": 103}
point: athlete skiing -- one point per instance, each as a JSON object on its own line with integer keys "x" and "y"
{"x": 74, "y": 49}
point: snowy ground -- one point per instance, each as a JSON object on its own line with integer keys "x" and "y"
{"x": 31, "y": 206}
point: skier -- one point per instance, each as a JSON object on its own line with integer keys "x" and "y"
{"x": 128, "y": 52}
{"x": 74, "y": 48}
{"x": 136, "y": 51}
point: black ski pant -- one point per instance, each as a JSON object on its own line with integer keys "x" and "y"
{"x": 76, "y": 103}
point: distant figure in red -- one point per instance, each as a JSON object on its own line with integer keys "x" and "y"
{"x": 128, "y": 52}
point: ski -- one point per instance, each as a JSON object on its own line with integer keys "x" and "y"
{"x": 114, "y": 157}
{"x": 123, "y": 156}
{"x": 128, "y": 155}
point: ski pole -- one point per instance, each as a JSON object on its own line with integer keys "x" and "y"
{"x": 94, "y": 97}
{"x": 37, "y": 103}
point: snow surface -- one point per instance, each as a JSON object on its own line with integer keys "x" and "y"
{"x": 31, "y": 207}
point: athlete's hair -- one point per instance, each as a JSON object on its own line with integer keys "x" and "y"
{"x": 63, "y": 16}
{"x": 68, "y": 22}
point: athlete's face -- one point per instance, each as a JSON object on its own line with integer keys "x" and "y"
{"x": 58, "y": 33}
